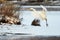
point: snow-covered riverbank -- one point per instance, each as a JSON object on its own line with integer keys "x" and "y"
{"x": 52, "y": 29}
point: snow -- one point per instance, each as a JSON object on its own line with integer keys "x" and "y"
{"x": 52, "y": 29}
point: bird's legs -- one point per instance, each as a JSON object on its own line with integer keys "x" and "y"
{"x": 46, "y": 22}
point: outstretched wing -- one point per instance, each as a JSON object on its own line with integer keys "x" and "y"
{"x": 44, "y": 8}
{"x": 42, "y": 15}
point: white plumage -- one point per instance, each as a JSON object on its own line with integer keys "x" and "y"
{"x": 40, "y": 14}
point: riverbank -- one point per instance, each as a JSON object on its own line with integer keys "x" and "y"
{"x": 49, "y": 8}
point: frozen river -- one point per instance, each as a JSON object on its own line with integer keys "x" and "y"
{"x": 53, "y": 28}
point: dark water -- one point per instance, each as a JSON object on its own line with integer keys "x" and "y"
{"x": 29, "y": 37}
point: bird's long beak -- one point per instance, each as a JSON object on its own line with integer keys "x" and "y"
{"x": 29, "y": 9}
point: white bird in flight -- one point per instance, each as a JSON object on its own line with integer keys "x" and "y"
{"x": 40, "y": 14}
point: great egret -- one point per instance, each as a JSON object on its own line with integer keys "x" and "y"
{"x": 40, "y": 14}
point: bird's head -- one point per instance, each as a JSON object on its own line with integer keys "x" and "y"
{"x": 31, "y": 9}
